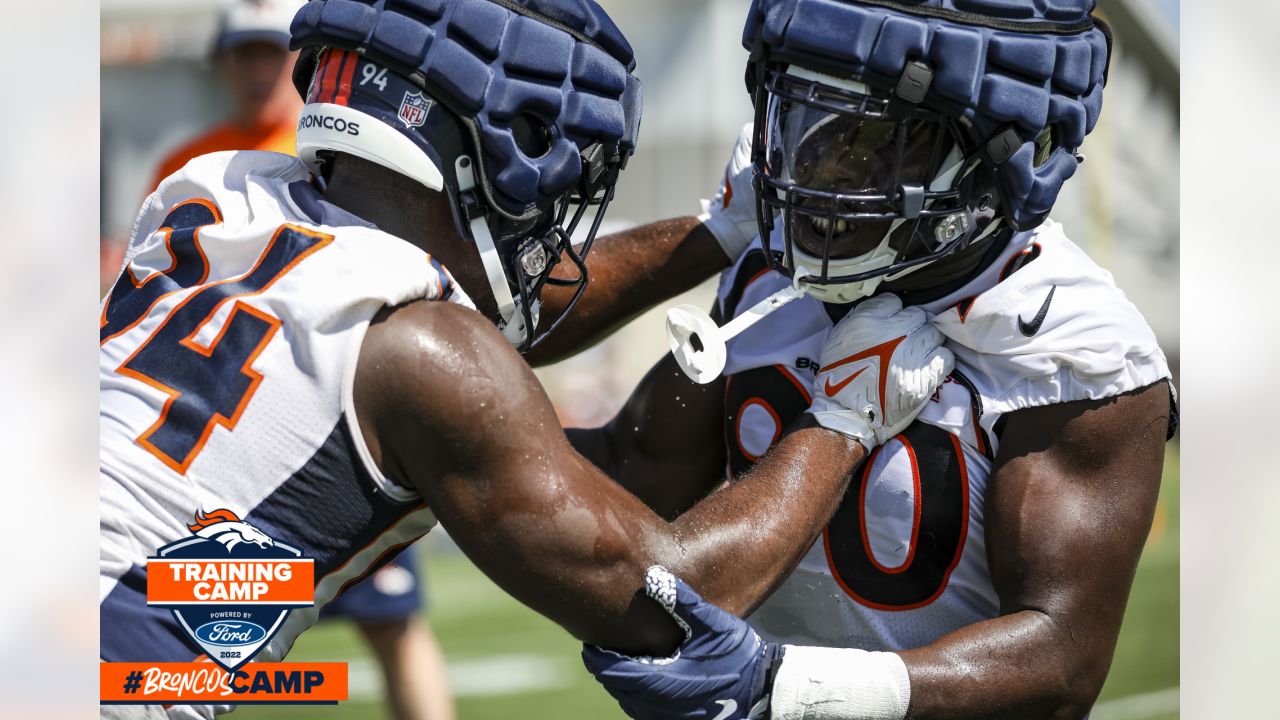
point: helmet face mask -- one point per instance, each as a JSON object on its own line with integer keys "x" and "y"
{"x": 528, "y": 248}
{"x": 1014, "y": 87}
{"x": 865, "y": 190}
{"x": 853, "y": 156}
{"x": 530, "y": 251}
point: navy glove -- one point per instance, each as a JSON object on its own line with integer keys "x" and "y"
{"x": 721, "y": 672}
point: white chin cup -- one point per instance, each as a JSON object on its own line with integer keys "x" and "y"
{"x": 513, "y": 328}
{"x": 842, "y": 293}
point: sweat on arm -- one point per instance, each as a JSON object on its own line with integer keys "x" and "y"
{"x": 447, "y": 407}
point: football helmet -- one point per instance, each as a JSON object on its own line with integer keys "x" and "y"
{"x": 891, "y": 133}
{"x": 523, "y": 111}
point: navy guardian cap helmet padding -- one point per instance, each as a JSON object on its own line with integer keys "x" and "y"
{"x": 496, "y": 64}
{"x": 1027, "y": 65}
{"x": 538, "y": 113}
{"x": 851, "y": 94}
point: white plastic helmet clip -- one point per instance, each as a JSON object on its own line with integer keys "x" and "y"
{"x": 699, "y": 345}
{"x": 511, "y": 318}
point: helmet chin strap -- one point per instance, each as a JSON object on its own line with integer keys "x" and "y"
{"x": 511, "y": 319}
{"x": 991, "y": 228}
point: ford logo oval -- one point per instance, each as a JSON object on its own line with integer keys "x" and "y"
{"x": 230, "y": 633}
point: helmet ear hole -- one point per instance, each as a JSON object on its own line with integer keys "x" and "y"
{"x": 533, "y": 137}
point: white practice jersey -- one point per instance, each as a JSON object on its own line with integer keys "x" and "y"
{"x": 903, "y": 561}
{"x": 228, "y": 349}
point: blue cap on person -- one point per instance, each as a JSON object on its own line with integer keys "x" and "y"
{"x": 243, "y": 21}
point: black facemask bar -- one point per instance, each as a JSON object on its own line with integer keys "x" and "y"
{"x": 556, "y": 243}
{"x": 930, "y": 215}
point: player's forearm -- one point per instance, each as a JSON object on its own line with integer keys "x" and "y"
{"x": 630, "y": 272}
{"x": 1024, "y": 665}
{"x": 738, "y": 544}
{"x": 564, "y": 540}
{"x": 1069, "y": 506}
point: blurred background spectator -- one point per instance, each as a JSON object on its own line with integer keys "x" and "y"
{"x": 251, "y": 53}
{"x": 503, "y": 661}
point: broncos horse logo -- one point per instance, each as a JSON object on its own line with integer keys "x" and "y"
{"x": 227, "y": 528}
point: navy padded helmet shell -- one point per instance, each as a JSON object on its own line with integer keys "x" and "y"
{"x": 1028, "y": 65}
{"x": 497, "y": 64}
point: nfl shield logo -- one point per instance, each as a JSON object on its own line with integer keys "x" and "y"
{"x": 414, "y": 109}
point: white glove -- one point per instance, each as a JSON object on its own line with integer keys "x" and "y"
{"x": 731, "y": 214}
{"x": 880, "y": 366}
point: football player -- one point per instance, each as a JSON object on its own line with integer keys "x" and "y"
{"x": 979, "y": 564}
{"x": 251, "y": 52}
{"x": 286, "y": 343}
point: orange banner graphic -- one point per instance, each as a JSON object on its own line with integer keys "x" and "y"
{"x": 203, "y": 683}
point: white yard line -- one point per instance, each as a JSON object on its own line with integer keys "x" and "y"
{"x": 1135, "y": 707}
{"x": 486, "y": 676}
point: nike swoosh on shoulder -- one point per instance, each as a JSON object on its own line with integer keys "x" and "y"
{"x": 727, "y": 708}
{"x": 832, "y": 390}
{"x": 1031, "y": 328}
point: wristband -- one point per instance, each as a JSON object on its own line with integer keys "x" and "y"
{"x": 817, "y": 683}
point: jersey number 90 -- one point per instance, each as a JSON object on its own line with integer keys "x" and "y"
{"x": 763, "y": 401}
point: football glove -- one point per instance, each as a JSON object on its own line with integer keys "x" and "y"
{"x": 880, "y": 365}
{"x": 731, "y": 214}
{"x": 721, "y": 671}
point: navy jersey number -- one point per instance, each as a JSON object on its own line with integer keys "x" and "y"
{"x": 775, "y": 397}
{"x": 942, "y": 497}
{"x": 207, "y": 384}
{"x": 940, "y": 524}
{"x": 130, "y": 300}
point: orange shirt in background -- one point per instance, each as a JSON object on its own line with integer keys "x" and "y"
{"x": 280, "y": 138}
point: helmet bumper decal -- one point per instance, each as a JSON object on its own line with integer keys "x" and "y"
{"x": 328, "y": 127}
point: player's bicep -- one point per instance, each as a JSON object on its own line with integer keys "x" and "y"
{"x": 459, "y": 415}
{"x": 1069, "y": 507}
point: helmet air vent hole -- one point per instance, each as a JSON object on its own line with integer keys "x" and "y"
{"x": 532, "y": 136}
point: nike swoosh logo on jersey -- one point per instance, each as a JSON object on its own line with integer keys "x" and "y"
{"x": 1031, "y": 328}
{"x": 832, "y": 390}
{"x": 727, "y": 708}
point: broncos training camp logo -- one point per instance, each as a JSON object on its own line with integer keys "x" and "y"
{"x": 230, "y": 585}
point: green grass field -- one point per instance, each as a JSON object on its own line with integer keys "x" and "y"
{"x": 508, "y": 662}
